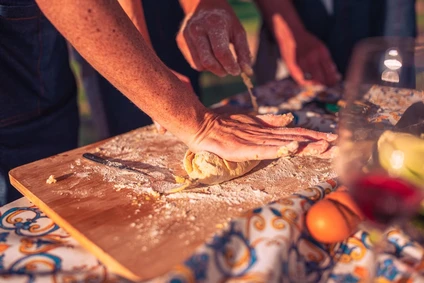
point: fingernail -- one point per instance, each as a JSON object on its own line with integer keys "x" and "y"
{"x": 331, "y": 137}
{"x": 247, "y": 69}
{"x": 235, "y": 71}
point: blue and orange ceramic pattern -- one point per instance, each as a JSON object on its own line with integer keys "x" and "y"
{"x": 268, "y": 244}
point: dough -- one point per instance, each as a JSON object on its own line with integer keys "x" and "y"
{"x": 208, "y": 168}
{"x": 51, "y": 180}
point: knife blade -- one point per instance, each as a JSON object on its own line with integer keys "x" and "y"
{"x": 107, "y": 162}
{"x": 188, "y": 185}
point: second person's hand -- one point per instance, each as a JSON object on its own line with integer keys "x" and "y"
{"x": 308, "y": 59}
{"x": 205, "y": 39}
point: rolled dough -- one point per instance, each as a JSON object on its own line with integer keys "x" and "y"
{"x": 208, "y": 168}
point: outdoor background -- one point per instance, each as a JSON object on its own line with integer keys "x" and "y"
{"x": 213, "y": 88}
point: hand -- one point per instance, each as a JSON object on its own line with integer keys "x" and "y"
{"x": 205, "y": 38}
{"x": 242, "y": 137}
{"x": 305, "y": 55}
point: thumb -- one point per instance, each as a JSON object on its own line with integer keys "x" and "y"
{"x": 161, "y": 130}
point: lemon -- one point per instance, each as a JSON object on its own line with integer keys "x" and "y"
{"x": 402, "y": 155}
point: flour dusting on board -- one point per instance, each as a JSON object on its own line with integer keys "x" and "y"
{"x": 158, "y": 158}
{"x": 191, "y": 215}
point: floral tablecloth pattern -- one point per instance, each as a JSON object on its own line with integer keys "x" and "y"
{"x": 267, "y": 244}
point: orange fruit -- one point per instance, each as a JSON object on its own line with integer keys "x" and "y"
{"x": 329, "y": 221}
{"x": 346, "y": 199}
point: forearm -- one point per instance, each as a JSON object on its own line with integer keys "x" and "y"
{"x": 134, "y": 10}
{"x": 106, "y": 38}
{"x": 281, "y": 17}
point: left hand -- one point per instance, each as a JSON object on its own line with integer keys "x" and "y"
{"x": 205, "y": 39}
{"x": 304, "y": 54}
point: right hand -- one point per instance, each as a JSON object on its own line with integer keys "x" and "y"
{"x": 242, "y": 137}
{"x": 206, "y": 35}
{"x": 305, "y": 55}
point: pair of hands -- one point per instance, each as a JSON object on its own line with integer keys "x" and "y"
{"x": 207, "y": 34}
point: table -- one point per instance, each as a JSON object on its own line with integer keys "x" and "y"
{"x": 267, "y": 244}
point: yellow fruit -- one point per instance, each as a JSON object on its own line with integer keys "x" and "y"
{"x": 402, "y": 155}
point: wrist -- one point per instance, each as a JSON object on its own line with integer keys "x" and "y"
{"x": 198, "y": 120}
{"x": 186, "y": 115}
{"x": 205, "y": 124}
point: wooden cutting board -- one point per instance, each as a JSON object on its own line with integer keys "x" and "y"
{"x": 121, "y": 218}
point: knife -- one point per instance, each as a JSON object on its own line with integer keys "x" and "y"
{"x": 188, "y": 185}
{"x": 107, "y": 162}
{"x": 248, "y": 83}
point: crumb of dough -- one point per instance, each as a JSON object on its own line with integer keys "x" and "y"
{"x": 180, "y": 180}
{"x": 51, "y": 180}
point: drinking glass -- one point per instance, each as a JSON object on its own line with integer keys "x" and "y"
{"x": 381, "y": 128}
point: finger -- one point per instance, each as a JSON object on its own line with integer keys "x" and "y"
{"x": 307, "y": 133}
{"x": 331, "y": 74}
{"x": 207, "y": 58}
{"x": 241, "y": 47}
{"x": 267, "y": 120}
{"x": 181, "y": 40}
{"x": 331, "y": 77}
{"x": 313, "y": 149}
{"x": 221, "y": 48}
{"x": 298, "y": 75}
{"x": 261, "y": 137}
{"x": 276, "y": 120}
{"x": 288, "y": 149}
{"x": 309, "y": 64}
{"x": 332, "y": 152}
{"x": 161, "y": 130}
{"x": 278, "y": 132}
{"x": 191, "y": 52}
{"x": 315, "y": 69}
{"x": 262, "y": 152}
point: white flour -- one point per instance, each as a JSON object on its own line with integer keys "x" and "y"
{"x": 190, "y": 216}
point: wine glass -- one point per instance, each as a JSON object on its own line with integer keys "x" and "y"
{"x": 381, "y": 130}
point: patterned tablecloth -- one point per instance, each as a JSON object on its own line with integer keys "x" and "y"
{"x": 268, "y": 244}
